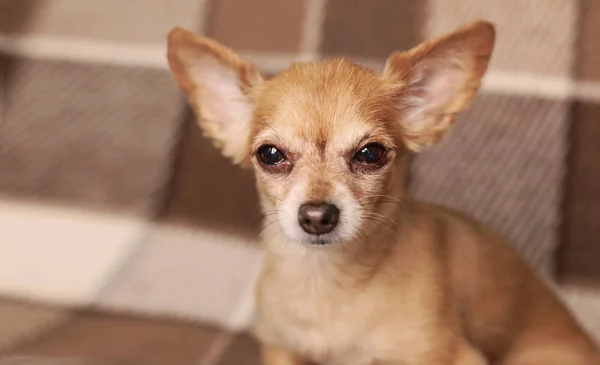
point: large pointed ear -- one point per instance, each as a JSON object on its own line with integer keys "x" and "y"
{"x": 220, "y": 87}
{"x": 437, "y": 80}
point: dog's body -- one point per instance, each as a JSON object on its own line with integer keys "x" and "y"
{"x": 356, "y": 273}
{"x": 438, "y": 290}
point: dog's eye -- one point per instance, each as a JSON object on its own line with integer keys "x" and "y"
{"x": 270, "y": 155}
{"x": 372, "y": 153}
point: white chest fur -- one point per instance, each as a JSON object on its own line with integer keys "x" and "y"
{"x": 303, "y": 307}
{"x": 334, "y": 312}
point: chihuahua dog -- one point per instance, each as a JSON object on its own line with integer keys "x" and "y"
{"x": 357, "y": 273}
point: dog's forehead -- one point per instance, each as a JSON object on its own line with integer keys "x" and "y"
{"x": 333, "y": 102}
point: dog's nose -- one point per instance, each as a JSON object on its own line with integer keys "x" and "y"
{"x": 318, "y": 218}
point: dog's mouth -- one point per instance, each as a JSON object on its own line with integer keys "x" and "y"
{"x": 320, "y": 241}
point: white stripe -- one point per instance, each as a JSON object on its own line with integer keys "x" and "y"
{"x": 216, "y": 349}
{"x": 121, "y": 54}
{"x": 585, "y": 304}
{"x": 242, "y": 316}
{"x": 202, "y": 20}
{"x": 153, "y": 56}
{"x": 588, "y": 91}
{"x": 61, "y": 255}
{"x": 73, "y": 49}
{"x": 528, "y": 84}
{"x": 312, "y": 27}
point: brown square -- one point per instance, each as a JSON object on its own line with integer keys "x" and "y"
{"x": 258, "y": 25}
{"x": 82, "y": 133}
{"x": 21, "y": 322}
{"x": 3, "y": 83}
{"x": 589, "y": 51}
{"x": 16, "y": 16}
{"x": 580, "y": 252}
{"x": 34, "y": 360}
{"x": 373, "y": 28}
{"x": 208, "y": 191}
{"x": 503, "y": 164}
{"x": 120, "y": 338}
{"x": 243, "y": 350}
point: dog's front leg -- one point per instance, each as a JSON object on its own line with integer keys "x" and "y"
{"x": 272, "y": 355}
{"x": 462, "y": 353}
{"x": 468, "y": 355}
{"x": 465, "y": 355}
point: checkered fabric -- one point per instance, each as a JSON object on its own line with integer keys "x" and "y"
{"x": 126, "y": 239}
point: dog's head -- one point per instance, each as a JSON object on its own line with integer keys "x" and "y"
{"x": 325, "y": 138}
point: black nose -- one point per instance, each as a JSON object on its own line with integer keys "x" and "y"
{"x": 318, "y": 218}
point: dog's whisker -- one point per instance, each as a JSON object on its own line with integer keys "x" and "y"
{"x": 383, "y": 202}
{"x": 267, "y": 226}
{"x": 387, "y": 219}
{"x": 373, "y": 212}
{"x": 379, "y": 196}
{"x": 360, "y": 234}
{"x": 385, "y": 223}
{"x": 268, "y": 214}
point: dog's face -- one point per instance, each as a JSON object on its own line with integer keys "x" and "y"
{"x": 325, "y": 138}
{"x": 323, "y": 147}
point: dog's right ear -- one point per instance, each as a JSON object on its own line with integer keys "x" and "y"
{"x": 220, "y": 87}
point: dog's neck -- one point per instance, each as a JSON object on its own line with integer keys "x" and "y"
{"x": 331, "y": 262}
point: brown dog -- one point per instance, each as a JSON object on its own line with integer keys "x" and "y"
{"x": 356, "y": 273}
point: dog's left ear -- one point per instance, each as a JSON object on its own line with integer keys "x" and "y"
{"x": 219, "y": 85}
{"x": 437, "y": 80}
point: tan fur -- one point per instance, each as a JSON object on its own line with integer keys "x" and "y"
{"x": 401, "y": 282}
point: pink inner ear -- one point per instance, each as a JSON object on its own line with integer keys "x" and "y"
{"x": 433, "y": 87}
{"x": 221, "y": 99}
{"x": 225, "y": 110}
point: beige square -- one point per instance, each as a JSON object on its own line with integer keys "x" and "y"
{"x": 533, "y": 36}
{"x": 105, "y": 20}
{"x": 503, "y": 164}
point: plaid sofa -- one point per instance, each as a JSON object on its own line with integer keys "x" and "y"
{"x": 126, "y": 238}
